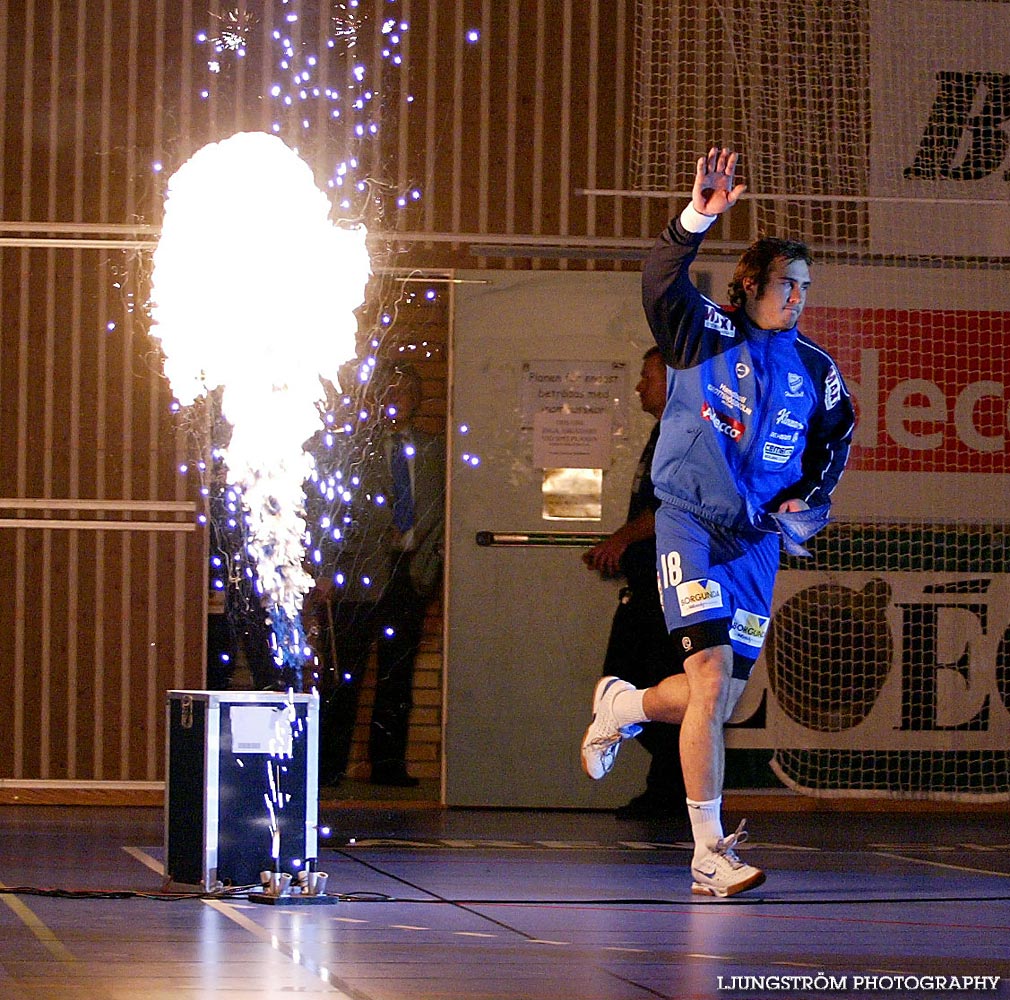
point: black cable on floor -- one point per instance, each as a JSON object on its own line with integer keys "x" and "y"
{"x": 750, "y": 899}
{"x": 29, "y": 890}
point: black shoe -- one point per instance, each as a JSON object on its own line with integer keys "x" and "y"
{"x": 396, "y": 777}
{"x": 649, "y": 805}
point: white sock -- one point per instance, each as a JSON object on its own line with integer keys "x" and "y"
{"x": 627, "y": 707}
{"x": 706, "y": 825}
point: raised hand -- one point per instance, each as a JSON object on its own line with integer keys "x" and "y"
{"x": 714, "y": 191}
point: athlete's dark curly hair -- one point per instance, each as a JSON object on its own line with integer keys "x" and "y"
{"x": 757, "y": 261}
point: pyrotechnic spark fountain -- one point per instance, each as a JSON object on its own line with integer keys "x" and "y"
{"x": 324, "y": 98}
{"x": 254, "y": 291}
{"x": 322, "y": 95}
{"x": 261, "y": 302}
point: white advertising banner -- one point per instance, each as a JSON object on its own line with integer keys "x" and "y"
{"x": 940, "y": 138}
{"x": 929, "y": 670}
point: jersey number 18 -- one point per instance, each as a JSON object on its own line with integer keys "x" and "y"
{"x": 672, "y": 573}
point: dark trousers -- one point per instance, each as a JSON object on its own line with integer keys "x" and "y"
{"x": 641, "y": 652}
{"x": 347, "y": 631}
{"x": 401, "y": 623}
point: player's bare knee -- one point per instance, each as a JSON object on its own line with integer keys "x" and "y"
{"x": 735, "y": 690}
{"x": 708, "y": 674}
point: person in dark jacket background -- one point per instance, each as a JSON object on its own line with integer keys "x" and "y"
{"x": 374, "y": 584}
{"x": 638, "y": 649}
{"x": 753, "y": 440}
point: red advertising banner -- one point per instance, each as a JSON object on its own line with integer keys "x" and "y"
{"x": 931, "y": 387}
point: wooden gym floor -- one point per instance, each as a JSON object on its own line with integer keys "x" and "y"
{"x": 443, "y": 904}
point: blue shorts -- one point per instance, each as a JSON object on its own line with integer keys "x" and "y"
{"x": 715, "y": 584}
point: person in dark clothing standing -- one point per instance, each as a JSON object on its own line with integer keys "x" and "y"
{"x": 638, "y": 649}
{"x": 380, "y": 567}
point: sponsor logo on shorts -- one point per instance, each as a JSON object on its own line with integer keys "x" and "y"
{"x": 749, "y": 628}
{"x": 733, "y": 429}
{"x": 698, "y": 595}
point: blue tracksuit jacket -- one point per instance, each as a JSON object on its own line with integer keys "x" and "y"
{"x": 753, "y": 417}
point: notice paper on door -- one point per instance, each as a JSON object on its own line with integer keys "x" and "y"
{"x": 572, "y": 440}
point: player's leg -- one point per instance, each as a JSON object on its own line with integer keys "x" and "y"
{"x": 696, "y": 614}
{"x": 719, "y": 676}
{"x": 619, "y": 708}
{"x": 639, "y": 652}
{"x": 713, "y": 692}
{"x": 706, "y": 646}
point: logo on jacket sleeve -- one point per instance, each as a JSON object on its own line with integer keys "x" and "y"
{"x": 832, "y": 389}
{"x": 715, "y": 320}
{"x": 749, "y": 628}
{"x": 698, "y": 595}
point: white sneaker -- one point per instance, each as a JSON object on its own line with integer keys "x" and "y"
{"x": 721, "y": 872}
{"x": 603, "y": 737}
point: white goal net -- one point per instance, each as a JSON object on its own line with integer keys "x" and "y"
{"x": 879, "y": 133}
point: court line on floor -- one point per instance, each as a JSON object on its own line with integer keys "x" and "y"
{"x": 894, "y": 856}
{"x": 342, "y": 991}
{"x": 439, "y": 899}
{"x": 45, "y": 936}
{"x": 146, "y": 860}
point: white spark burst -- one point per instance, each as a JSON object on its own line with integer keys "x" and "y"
{"x": 254, "y": 290}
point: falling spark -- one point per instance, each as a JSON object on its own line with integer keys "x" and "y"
{"x": 346, "y": 23}
{"x": 260, "y": 301}
{"x": 235, "y": 27}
